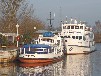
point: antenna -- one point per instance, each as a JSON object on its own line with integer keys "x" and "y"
{"x": 50, "y": 19}
{"x": 66, "y": 19}
{"x": 71, "y": 20}
{"x": 75, "y": 21}
{"x": 80, "y": 22}
{"x": 60, "y": 15}
{"x": 54, "y": 15}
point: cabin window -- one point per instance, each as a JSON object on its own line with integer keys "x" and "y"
{"x": 62, "y": 37}
{"x": 70, "y": 32}
{"x": 53, "y": 41}
{"x": 35, "y": 49}
{"x": 58, "y": 42}
{"x": 76, "y": 37}
{"x": 84, "y": 38}
{"x": 68, "y": 27}
{"x": 65, "y": 40}
{"x": 45, "y": 50}
{"x": 39, "y": 40}
{"x": 65, "y": 37}
{"x": 81, "y": 27}
{"x": 68, "y": 36}
{"x": 80, "y": 37}
{"x": 76, "y": 27}
{"x": 72, "y": 27}
{"x": 73, "y": 37}
{"x": 51, "y": 50}
{"x": 64, "y": 27}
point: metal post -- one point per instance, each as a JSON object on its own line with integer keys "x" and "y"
{"x": 17, "y": 36}
{"x": 17, "y": 26}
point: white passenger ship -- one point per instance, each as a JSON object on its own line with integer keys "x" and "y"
{"x": 78, "y": 37}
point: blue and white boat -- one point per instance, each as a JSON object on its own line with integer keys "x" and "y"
{"x": 48, "y": 48}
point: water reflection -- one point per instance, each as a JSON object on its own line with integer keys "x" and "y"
{"x": 7, "y": 69}
{"x": 54, "y": 69}
{"x": 71, "y": 65}
{"x": 78, "y": 65}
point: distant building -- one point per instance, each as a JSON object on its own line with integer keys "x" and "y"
{"x": 10, "y": 36}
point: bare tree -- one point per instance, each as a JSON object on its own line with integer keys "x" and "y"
{"x": 29, "y": 24}
{"x": 8, "y": 14}
{"x": 98, "y": 26}
{"x": 16, "y": 11}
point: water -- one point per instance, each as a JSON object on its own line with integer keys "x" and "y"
{"x": 71, "y": 65}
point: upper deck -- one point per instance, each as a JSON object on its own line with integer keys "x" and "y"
{"x": 75, "y": 28}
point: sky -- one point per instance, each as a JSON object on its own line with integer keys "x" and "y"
{"x": 82, "y": 10}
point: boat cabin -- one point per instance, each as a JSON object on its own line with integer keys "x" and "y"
{"x": 35, "y": 48}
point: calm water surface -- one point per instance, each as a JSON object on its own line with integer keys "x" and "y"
{"x": 71, "y": 65}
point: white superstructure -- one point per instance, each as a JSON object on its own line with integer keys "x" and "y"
{"x": 55, "y": 41}
{"x": 78, "y": 37}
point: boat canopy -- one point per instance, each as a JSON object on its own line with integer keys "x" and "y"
{"x": 48, "y": 34}
{"x": 36, "y": 46}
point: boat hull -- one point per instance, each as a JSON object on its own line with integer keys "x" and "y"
{"x": 34, "y": 64}
{"x": 30, "y": 60}
{"x": 39, "y": 60}
{"x": 79, "y": 50}
{"x": 40, "y": 53}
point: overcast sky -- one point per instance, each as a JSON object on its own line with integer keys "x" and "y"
{"x": 84, "y": 10}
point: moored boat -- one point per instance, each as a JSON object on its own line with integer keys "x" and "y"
{"x": 38, "y": 53}
{"x": 78, "y": 37}
{"x": 49, "y": 48}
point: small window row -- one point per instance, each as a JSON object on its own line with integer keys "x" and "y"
{"x": 72, "y": 27}
{"x": 65, "y": 36}
{"x": 74, "y": 37}
{"x": 77, "y": 37}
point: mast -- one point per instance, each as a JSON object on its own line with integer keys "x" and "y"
{"x": 50, "y": 19}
